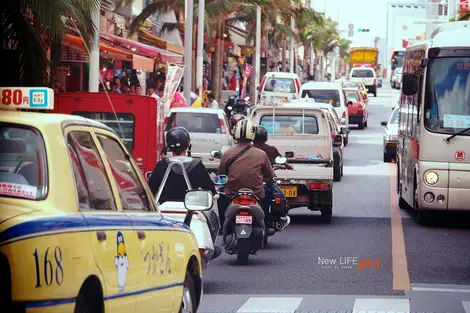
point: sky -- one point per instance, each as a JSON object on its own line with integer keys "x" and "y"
{"x": 368, "y": 14}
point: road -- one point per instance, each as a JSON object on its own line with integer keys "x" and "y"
{"x": 416, "y": 268}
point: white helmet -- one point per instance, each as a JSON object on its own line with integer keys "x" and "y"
{"x": 244, "y": 130}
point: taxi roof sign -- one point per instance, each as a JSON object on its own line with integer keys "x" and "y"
{"x": 32, "y": 98}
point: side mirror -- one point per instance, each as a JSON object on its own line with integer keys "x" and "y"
{"x": 409, "y": 84}
{"x": 337, "y": 141}
{"x": 383, "y": 123}
{"x": 350, "y": 103}
{"x": 221, "y": 180}
{"x": 280, "y": 160}
{"x": 197, "y": 200}
{"x": 216, "y": 154}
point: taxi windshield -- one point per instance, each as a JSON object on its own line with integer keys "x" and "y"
{"x": 22, "y": 162}
{"x": 289, "y": 124}
{"x": 285, "y": 85}
{"x": 324, "y": 96}
{"x": 447, "y": 104}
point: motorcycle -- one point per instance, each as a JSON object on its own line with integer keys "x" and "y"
{"x": 244, "y": 231}
{"x": 237, "y": 109}
{"x": 279, "y": 204}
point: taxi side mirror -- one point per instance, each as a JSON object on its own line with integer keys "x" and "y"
{"x": 337, "y": 141}
{"x": 197, "y": 200}
{"x": 383, "y": 123}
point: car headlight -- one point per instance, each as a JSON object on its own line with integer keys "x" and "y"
{"x": 431, "y": 177}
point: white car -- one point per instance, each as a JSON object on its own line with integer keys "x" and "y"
{"x": 390, "y": 137}
{"x": 208, "y": 128}
{"x": 278, "y": 87}
{"x": 333, "y": 93}
{"x": 369, "y": 77}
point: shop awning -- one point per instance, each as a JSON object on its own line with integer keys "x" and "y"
{"x": 105, "y": 50}
{"x": 143, "y": 63}
{"x": 144, "y": 49}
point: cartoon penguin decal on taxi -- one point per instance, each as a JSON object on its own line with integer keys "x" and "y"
{"x": 121, "y": 261}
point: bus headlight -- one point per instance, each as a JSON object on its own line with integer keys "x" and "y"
{"x": 431, "y": 177}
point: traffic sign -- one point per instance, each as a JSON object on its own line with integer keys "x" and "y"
{"x": 350, "y": 33}
{"x": 351, "y": 26}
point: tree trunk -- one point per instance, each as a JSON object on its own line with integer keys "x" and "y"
{"x": 221, "y": 52}
{"x": 284, "y": 50}
{"x": 216, "y": 79}
{"x": 306, "y": 56}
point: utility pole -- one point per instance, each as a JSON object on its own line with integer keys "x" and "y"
{"x": 257, "y": 52}
{"x": 292, "y": 43}
{"x": 188, "y": 49}
{"x": 200, "y": 47}
{"x": 94, "y": 75}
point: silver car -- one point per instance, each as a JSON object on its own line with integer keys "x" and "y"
{"x": 390, "y": 137}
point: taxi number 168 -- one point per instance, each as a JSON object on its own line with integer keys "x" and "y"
{"x": 47, "y": 269}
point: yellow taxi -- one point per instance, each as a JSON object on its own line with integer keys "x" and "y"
{"x": 355, "y": 83}
{"x": 79, "y": 228}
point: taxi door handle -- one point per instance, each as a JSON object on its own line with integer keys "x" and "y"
{"x": 101, "y": 235}
{"x": 141, "y": 235}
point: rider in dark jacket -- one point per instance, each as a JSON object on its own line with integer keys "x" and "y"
{"x": 178, "y": 142}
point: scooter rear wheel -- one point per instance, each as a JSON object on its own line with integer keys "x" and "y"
{"x": 243, "y": 251}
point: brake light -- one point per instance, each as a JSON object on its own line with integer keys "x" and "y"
{"x": 375, "y": 81}
{"x": 360, "y": 108}
{"x": 244, "y": 200}
{"x": 244, "y": 213}
{"x": 222, "y": 126}
{"x": 317, "y": 186}
{"x": 261, "y": 86}
{"x": 277, "y": 201}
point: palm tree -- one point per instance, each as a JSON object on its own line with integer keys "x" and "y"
{"x": 31, "y": 30}
{"x": 344, "y": 49}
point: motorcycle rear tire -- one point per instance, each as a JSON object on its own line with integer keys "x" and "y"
{"x": 243, "y": 251}
{"x": 265, "y": 241}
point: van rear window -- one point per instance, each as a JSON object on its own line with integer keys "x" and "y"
{"x": 125, "y": 121}
{"x": 274, "y": 84}
{"x": 363, "y": 73}
{"x": 22, "y": 162}
{"x": 323, "y": 96}
{"x": 195, "y": 122}
{"x": 289, "y": 124}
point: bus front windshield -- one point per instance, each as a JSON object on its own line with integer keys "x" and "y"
{"x": 447, "y": 102}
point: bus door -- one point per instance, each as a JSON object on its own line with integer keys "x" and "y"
{"x": 136, "y": 121}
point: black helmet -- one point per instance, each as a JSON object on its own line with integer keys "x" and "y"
{"x": 261, "y": 135}
{"x": 177, "y": 139}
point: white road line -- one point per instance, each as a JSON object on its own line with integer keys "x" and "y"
{"x": 453, "y": 290}
{"x": 362, "y": 305}
{"x": 266, "y": 305}
{"x": 466, "y": 306}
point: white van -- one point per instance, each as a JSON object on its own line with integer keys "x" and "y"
{"x": 302, "y": 134}
{"x": 368, "y": 75}
{"x": 332, "y": 93}
{"x": 208, "y": 128}
{"x": 278, "y": 87}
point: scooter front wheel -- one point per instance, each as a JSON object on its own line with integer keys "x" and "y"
{"x": 243, "y": 251}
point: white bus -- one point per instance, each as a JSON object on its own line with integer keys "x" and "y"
{"x": 433, "y": 171}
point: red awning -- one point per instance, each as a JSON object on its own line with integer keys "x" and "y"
{"x": 144, "y": 49}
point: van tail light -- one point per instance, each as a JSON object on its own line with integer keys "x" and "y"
{"x": 360, "y": 109}
{"x": 337, "y": 139}
{"x": 203, "y": 252}
{"x": 375, "y": 81}
{"x": 261, "y": 86}
{"x": 222, "y": 126}
{"x": 244, "y": 200}
{"x": 317, "y": 186}
{"x": 297, "y": 83}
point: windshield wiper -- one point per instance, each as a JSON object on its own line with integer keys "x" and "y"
{"x": 456, "y": 134}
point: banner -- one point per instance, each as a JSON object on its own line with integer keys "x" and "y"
{"x": 245, "y": 79}
{"x": 174, "y": 74}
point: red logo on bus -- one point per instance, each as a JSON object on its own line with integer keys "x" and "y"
{"x": 460, "y": 155}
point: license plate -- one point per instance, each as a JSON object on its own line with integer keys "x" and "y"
{"x": 244, "y": 219}
{"x": 289, "y": 191}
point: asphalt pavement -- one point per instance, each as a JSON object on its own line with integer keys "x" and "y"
{"x": 372, "y": 257}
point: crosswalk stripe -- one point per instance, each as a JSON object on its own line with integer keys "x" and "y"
{"x": 268, "y": 304}
{"x": 453, "y": 290}
{"x": 364, "y": 305}
{"x": 466, "y": 306}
